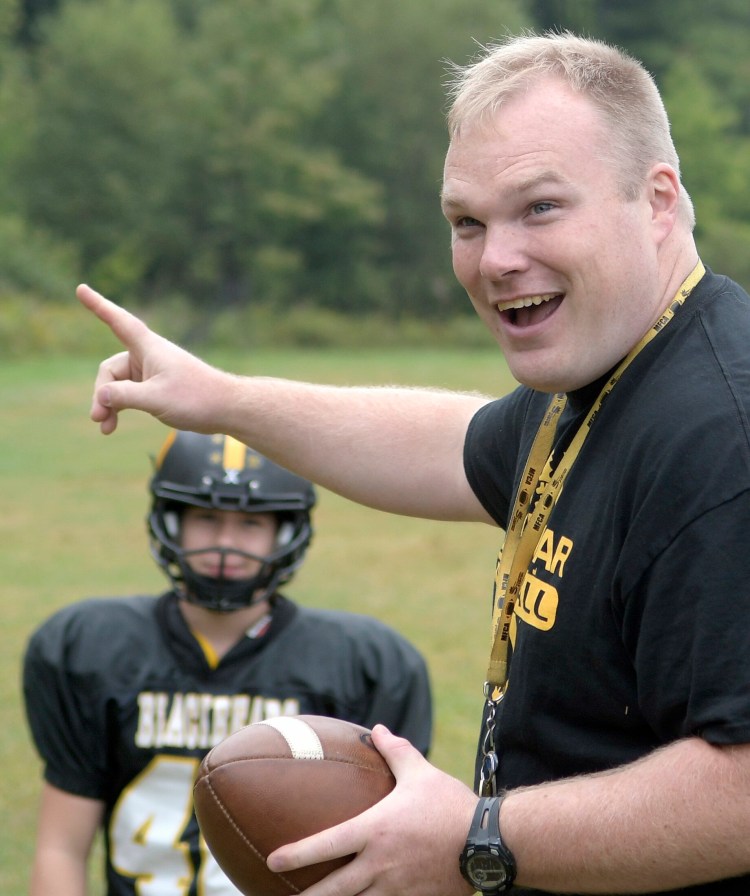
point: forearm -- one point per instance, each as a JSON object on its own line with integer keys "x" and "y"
{"x": 65, "y": 834}
{"x": 395, "y": 449}
{"x": 56, "y": 873}
{"x": 667, "y": 821}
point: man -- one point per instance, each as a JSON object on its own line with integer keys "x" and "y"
{"x": 126, "y": 695}
{"x": 620, "y": 732}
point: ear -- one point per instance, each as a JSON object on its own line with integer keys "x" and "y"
{"x": 664, "y": 197}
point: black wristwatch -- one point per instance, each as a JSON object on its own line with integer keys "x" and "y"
{"x": 486, "y": 862}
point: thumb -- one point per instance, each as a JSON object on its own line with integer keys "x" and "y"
{"x": 111, "y": 398}
{"x": 398, "y": 752}
{"x": 126, "y": 394}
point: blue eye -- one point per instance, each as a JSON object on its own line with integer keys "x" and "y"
{"x": 539, "y": 208}
{"x": 466, "y": 221}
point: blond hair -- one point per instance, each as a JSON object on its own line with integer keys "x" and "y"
{"x": 617, "y": 85}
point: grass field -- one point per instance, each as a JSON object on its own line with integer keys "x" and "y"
{"x": 73, "y": 525}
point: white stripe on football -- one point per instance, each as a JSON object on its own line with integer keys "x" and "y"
{"x": 303, "y": 742}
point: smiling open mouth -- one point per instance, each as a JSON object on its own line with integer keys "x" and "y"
{"x": 531, "y": 309}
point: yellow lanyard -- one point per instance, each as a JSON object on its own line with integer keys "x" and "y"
{"x": 525, "y": 531}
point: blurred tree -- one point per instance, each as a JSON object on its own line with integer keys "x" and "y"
{"x": 30, "y": 18}
{"x": 292, "y": 150}
{"x": 32, "y": 261}
{"x": 715, "y": 162}
{"x": 648, "y": 30}
{"x": 579, "y": 16}
{"x": 717, "y": 41}
{"x": 103, "y": 146}
{"x": 245, "y": 149}
{"x": 387, "y": 119}
{"x": 10, "y": 11}
{"x": 256, "y": 177}
{"x": 184, "y": 159}
{"x": 698, "y": 55}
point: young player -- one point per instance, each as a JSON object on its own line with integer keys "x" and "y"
{"x": 125, "y": 695}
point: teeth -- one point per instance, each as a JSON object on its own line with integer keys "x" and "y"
{"x": 528, "y": 301}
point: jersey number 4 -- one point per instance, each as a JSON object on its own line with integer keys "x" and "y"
{"x": 147, "y": 828}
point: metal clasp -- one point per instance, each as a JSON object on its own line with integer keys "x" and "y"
{"x": 487, "y": 781}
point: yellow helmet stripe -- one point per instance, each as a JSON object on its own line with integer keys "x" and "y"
{"x": 164, "y": 448}
{"x": 235, "y": 454}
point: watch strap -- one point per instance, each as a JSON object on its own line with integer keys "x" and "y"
{"x": 484, "y": 838}
{"x": 486, "y": 833}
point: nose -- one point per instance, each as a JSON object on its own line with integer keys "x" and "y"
{"x": 227, "y": 534}
{"x": 503, "y": 252}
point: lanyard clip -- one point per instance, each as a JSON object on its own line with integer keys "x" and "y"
{"x": 493, "y": 694}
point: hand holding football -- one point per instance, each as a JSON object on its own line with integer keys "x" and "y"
{"x": 277, "y": 781}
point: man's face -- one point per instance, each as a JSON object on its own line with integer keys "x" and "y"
{"x": 559, "y": 266}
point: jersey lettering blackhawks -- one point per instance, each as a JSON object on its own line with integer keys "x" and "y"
{"x": 123, "y": 704}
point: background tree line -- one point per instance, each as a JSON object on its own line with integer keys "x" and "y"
{"x": 215, "y": 155}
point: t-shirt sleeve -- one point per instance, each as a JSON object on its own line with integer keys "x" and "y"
{"x": 491, "y": 450}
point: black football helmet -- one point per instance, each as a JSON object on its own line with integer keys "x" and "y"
{"x": 217, "y": 471}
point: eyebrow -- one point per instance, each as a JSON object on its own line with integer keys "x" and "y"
{"x": 447, "y": 202}
{"x": 538, "y": 180}
{"x": 533, "y": 182}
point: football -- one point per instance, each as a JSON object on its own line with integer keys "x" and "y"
{"x": 277, "y": 781}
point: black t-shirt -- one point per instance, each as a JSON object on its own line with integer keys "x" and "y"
{"x": 633, "y": 627}
{"x": 123, "y": 704}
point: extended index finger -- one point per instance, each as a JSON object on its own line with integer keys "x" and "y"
{"x": 126, "y": 326}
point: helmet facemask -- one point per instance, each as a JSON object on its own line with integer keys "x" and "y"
{"x": 194, "y": 470}
{"x": 222, "y": 593}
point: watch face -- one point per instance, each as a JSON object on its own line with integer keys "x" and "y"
{"x": 486, "y": 871}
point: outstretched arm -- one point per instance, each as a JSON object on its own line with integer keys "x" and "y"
{"x": 395, "y": 449}
{"x": 673, "y": 819}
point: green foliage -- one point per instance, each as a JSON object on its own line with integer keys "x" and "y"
{"x": 188, "y": 157}
{"x": 698, "y": 55}
{"x": 715, "y": 156}
{"x": 244, "y": 152}
{"x": 32, "y": 261}
{"x": 10, "y": 12}
{"x": 719, "y": 40}
{"x": 30, "y": 326}
{"x": 715, "y": 161}
{"x": 575, "y": 15}
{"x": 258, "y": 157}
{"x": 103, "y": 154}
{"x": 387, "y": 119}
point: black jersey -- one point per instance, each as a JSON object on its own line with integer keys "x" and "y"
{"x": 633, "y": 626}
{"x": 123, "y": 704}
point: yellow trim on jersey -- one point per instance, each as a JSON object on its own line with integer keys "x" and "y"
{"x": 212, "y": 657}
